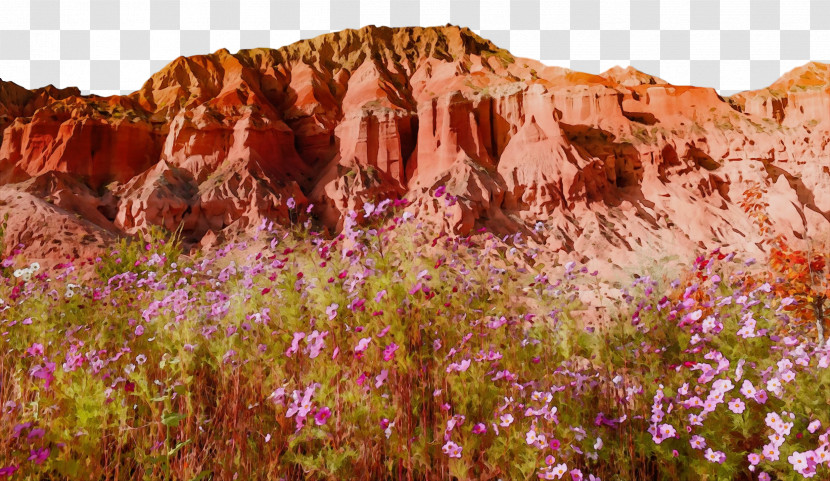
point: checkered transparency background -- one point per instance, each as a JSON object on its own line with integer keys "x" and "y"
{"x": 112, "y": 46}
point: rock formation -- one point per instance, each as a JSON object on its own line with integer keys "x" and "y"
{"x": 616, "y": 166}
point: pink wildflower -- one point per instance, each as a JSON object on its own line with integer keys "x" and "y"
{"x": 389, "y": 351}
{"x": 39, "y": 455}
{"x": 813, "y": 426}
{"x": 452, "y": 450}
{"x": 737, "y": 406}
{"x": 362, "y": 345}
{"x": 322, "y": 415}
{"x": 715, "y": 456}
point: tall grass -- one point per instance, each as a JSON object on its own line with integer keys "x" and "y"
{"x": 390, "y": 352}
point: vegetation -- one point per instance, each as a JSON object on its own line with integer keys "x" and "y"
{"x": 374, "y": 355}
{"x": 802, "y": 274}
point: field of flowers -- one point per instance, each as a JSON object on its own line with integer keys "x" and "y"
{"x": 391, "y": 353}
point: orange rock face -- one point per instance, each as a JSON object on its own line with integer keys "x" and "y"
{"x": 616, "y": 167}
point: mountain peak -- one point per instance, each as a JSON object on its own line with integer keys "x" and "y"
{"x": 630, "y": 76}
{"x": 442, "y": 42}
{"x": 219, "y": 143}
{"x": 812, "y": 75}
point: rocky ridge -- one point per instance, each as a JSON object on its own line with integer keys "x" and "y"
{"x": 616, "y": 167}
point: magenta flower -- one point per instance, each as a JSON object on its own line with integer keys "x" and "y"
{"x": 440, "y": 191}
{"x": 44, "y": 372}
{"x": 389, "y": 351}
{"x": 8, "y": 470}
{"x": 17, "y": 429}
{"x": 322, "y": 415}
{"x": 761, "y": 397}
{"x": 38, "y": 456}
{"x": 479, "y": 428}
{"x": 35, "y": 350}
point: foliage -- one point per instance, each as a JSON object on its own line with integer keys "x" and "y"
{"x": 153, "y": 249}
{"x": 392, "y": 352}
{"x": 802, "y": 275}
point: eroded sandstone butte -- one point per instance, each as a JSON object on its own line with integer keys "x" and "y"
{"x": 618, "y": 167}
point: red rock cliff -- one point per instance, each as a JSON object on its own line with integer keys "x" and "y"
{"x": 616, "y": 166}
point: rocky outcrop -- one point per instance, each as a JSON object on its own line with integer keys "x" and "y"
{"x": 100, "y": 141}
{"x": 611, "y": 166}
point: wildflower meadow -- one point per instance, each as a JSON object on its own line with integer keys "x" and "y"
{"x": 393, "y": 351}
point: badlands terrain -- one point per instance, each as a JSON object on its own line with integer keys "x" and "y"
{"x": 617, "y": 167}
